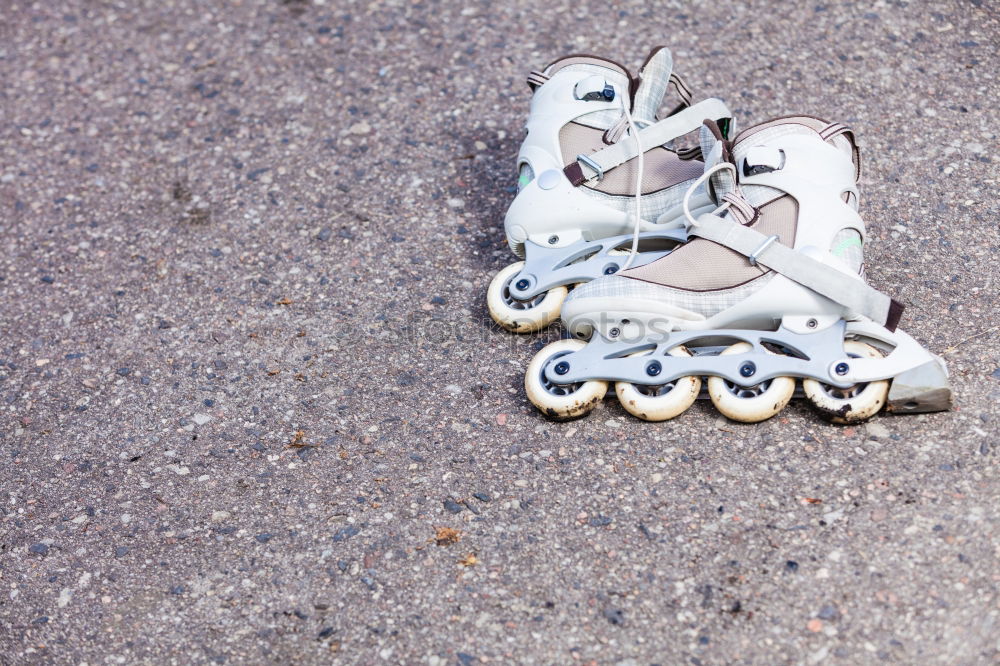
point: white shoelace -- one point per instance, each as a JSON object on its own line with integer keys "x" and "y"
{"x": 701, "y": 179}
{"x": 638, "y": 186}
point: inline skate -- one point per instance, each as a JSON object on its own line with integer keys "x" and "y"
{"x": 769, "y": 289}
{"x": 594, "y": 149}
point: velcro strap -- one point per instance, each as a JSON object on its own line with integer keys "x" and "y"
{"x": 825, "y": 280}
{"x": 652, "y": 136}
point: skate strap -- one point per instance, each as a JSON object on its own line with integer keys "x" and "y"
{"x": 822, "y": 278}
{"x": 595, "y": 165}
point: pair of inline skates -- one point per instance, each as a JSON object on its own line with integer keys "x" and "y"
{"x": 737, "y": 258}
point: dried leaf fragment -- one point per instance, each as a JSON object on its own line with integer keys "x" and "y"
{"x": 445, "y": 536}
{"x": 299, "y": 441}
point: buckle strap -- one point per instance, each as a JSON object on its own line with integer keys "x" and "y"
{"x": 852, "y": 293}
{"x": 654, "y": 135}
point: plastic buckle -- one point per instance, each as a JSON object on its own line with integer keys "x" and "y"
{"x": 763, "y": 246}
{"x": 592, "y": 165}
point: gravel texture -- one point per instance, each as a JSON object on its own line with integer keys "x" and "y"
{"x": 253, "y": 410}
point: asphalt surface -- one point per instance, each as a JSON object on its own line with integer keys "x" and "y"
{"x": 247, "y": 373}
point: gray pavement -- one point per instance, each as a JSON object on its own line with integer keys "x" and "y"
{"x": 247, "y": 373}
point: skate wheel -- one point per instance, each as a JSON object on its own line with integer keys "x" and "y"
{"x": 561, "y": 401}
{"x": 522, "y": 316}
{"x": 749, "y": 404}
{"x": 663, "y": 402}
{"x": 855, "y": 403}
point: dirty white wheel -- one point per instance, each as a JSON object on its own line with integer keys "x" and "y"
{"x": 659, "y": 403}
{"x": 561, "y": 401}
{"x": 752, "y": 403}
{"x": 855, "y": 403}
{"x": 517, "y": 315}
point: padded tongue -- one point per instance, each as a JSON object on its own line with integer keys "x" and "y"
{"x": 654, "y": 77}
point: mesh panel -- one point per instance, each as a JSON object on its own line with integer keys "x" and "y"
{"x": 524, "y": 176}
{"x": 653, "y": 205}
{"x": 661, "y": 167}
{"x": 848, "y": 248}
{"x": 705, "y": 303}
{"x": 702, "y": 266}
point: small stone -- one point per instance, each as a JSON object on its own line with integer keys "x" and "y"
{"x": 828, "y": 612}
{"x": 263, "y": 537}
{"x": 177, "y": 589}
{"x": 324, "y": 234}
{"x": 452, "y": 506}
{"x": 201, "y": 419}
{"x": 208, "y": 402}
{"x": 501, "y": 419}
{"x": 482, "y": 497}
{"x": 456, "y": 203}
{"x": 464, "y": 658}
{"x": 121, "y": 551}
{"x": 361, "y": 128}
{"x": 600, "y": 521}
{"x": 345, "y": 533}
{"x": 220, "y": 516}
{"x": 876, "y": 431}
{"x": 123, "y": 371}
{"x": 39, "y": 548}
{"x": 480, "y": 145}
{"x": 615, "y": 616}
{"x": 42, "y": 362}
{"x": 814, "y": 625}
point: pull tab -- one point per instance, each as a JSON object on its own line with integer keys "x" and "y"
{"x": 594, "y": 89}
{"x": 763, "y": 159}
